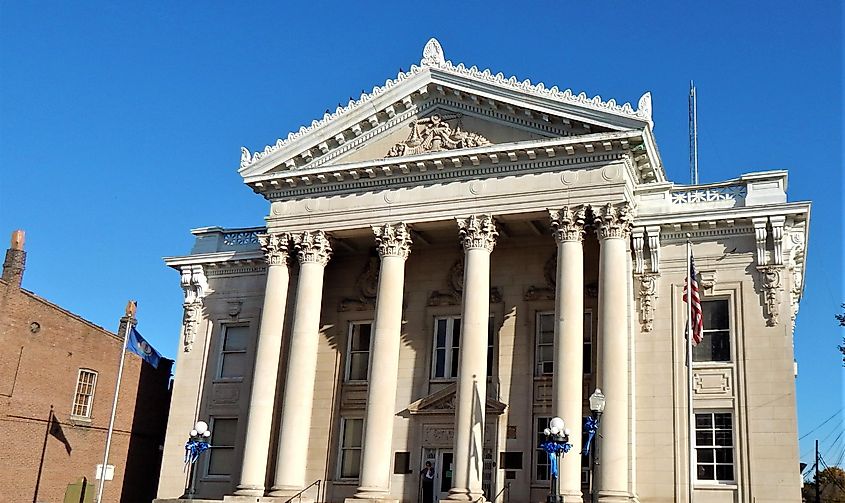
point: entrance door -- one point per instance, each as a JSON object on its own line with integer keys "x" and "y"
{"x": 444, "y": 469}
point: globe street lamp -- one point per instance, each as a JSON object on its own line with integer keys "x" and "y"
{"x": 197, "y": 443}
{"x": 556, "y": 445}
{"x": 591, "y": 427}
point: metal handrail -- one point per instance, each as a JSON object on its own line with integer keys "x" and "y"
{"x": 309, "y": 486}
{"x": 506, "y": 490}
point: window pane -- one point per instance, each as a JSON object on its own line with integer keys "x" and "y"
{"x": 361, "y": 337}
{"x": 358, "y": 363}
{"x": 236, "y": 339}
{"x": 547, "y": 323}
{"x": 546, "y": 353}
{"x": 588, "y": 358}
{"x": 723, "y": 421}
{"x": 221, "y": 460}
{"x": 704, "y": 438}
{"x": 704, "y": 455}
{"x": 724, "y": 455}
{"x": 724, "y": 438}
{"x": 720, "y": 342}
{"x": 353, "y": 432}
{"x": 440, "y": 363}
{"x": 724, "y": 472}
{"x": 715, "y": 314}
{"x": 224, "y": 432}
{"x": 705, "y": 472}
{"x": 351, "y": 464}
{"x": 456, "y": 332}
{"x": 234, "y": 365}
{"x": 703, "y": 421}
{"x": 441, "y": 333}
{"x": 455, "y": 360}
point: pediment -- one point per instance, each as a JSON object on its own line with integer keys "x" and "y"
{"x": 499, "y": 109}
{"x": 444, "y": 401}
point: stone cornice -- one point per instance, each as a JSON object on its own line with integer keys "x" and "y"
{"x": 395, "y": 170}
{"x": 401, "y": 95}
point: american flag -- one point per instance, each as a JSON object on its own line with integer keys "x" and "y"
{"x": 695, "y": 310}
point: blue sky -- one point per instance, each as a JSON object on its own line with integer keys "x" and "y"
{"x": 120, "y": 123}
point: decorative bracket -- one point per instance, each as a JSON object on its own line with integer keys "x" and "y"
{"x": 647, "y": 294}
{"x": 772, "y": 282}
{"x": 195, "y": 286}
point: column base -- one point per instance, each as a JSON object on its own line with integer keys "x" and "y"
{"x": 249, "y": 491}
{"x": 239, "y": 498}
{"x": 465, "y": 495}
{"x": 279, "y": 494}
{"x": 373, "y": 499}
{"x": 572, "y": 497}
{"x": 615, "y": 497}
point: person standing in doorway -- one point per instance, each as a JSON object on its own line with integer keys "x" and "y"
{"x": 427, "y": 482}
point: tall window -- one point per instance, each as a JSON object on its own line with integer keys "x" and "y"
{"x": 714, "y": 447}
{"x": 352, "y": 432}
{"x": 716, "y": 343}
{"x": 221, "y": 458}
{"x": 542, "y": 469}
{"x": 83, "y": 399}
{"x": 544, "y": 356}
{"x": 358, "y": 351}
{"x": 233, "y": 352}
{"x": 447, "y": 342}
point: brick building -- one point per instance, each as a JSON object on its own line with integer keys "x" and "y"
{"x": 57, "y": 380}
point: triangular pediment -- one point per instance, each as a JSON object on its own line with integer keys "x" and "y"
{"x": 502, "y": 110}
{"x": 444, "y": 401}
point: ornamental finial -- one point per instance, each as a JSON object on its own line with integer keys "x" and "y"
{"x": 432, "y": 53}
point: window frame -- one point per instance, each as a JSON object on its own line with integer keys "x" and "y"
{"x": 453, "y": 351}
{"x": 342, "y": 449}
{"x": 730, "y": 331}
{"x": 540, "y": 457}
{"x": 714, "y": 448}
{"x": 222, "y": 352}
{"x": 89, "y": 406}
{"x": 349, "y": 352}
{"x": 212, "y": 426}
{"x": 587, "y": 344}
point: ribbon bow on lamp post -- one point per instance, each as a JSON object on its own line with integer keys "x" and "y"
{"x": 556, "y": 445}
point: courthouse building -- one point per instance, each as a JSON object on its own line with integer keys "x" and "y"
{"x": 453, "y": 259}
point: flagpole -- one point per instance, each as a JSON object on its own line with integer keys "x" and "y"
{"x": 690, "y": 413}
{"x": 131, "y": 306}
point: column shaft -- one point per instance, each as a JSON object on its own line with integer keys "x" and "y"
{"x": 291, "y": 464}
{"x": 394, "y": 242}
{"x": 568, "y": 225}
{"x": 257, "y": 444}
{"x": 614, "y": 227}
{"x": 478, "y": 235}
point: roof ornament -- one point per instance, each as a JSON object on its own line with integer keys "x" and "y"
{"x": 433, "y": 134}
{"x": 432, "y": 54}
{"x": 644, "y": 106}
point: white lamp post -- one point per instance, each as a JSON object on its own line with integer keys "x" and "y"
{"x": 556, "y": 445}
{"x": 597, "y": 403}
{"x": 196, "y": 445}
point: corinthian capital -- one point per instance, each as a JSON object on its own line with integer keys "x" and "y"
{"x": 613, "y": 220}
{"x": 312, "y": 246}
{"x": 276, "y": 247}
{"x": 568, "y": 223}
{"x": 393, "y": 240}
{"x": 478, "y": 231}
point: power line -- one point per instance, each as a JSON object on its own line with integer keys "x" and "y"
{"x": 802, "y": 437}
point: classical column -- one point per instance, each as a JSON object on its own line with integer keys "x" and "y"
{"x": 313, "y": 251}
{"x": 478, "y": 236}
{"x": 394, "y": 245}
{"x": 613, "y": 225}
{"x": 257, "y": 444}
{"x": 568, "y": 228}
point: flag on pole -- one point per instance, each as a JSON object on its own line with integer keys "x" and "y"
{"x": 142, "y": 348}
{"x": 696, "y": 316}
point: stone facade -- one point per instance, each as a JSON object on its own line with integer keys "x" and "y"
{"x": 454, "y": 213}
{"x": 50, "y": 455}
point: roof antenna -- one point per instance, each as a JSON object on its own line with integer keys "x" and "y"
{"x": 693, "y": 134}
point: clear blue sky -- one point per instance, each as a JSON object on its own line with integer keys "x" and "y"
{"x": 121, "y": 122}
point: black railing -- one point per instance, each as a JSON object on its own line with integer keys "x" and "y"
{"x": 505, "y": 490}
{"x": 298, "y": 496}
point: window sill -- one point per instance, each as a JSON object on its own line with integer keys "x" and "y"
{"x": 345, "y": 482}
{"x": 222, "y": 380}
{"x": 82, "y": 420}
{"x": 216, "y": 478}
{"x": 711, "y": 486}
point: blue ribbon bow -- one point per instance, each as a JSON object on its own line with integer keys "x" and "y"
{"x": 193, "y": 449}
{"x": 552, "y": 449}
{"x": 591, "y": 425}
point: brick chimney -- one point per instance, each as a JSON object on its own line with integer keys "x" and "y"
{"x": 15, "y": 261}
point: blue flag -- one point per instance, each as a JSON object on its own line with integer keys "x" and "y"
{"x": 142, "y": 348}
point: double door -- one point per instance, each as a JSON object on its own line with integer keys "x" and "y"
{"x": 443, "y": 461}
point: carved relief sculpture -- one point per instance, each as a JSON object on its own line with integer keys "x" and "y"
{"x": 613, "y": 220}
{"x": 478, "y": 231}
{"x": 771, "y": 278}
{"x": 647, "y": 294}
{"x": 366, "y": 286}
{"x": 194, "y": 285}
{"x": 276, "y": 247}
{"x": 393, "y": 240}
{"x": 433, "y": 134}
{"x": 312, "y": 246}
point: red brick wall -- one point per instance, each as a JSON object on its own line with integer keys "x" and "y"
{"x": 40, "y": 369}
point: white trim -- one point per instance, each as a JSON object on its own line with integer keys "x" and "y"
{"x": 733, "y": 448}
{"x": 348, "y": 363}
{"x": 340, "y": 449}
{"x": 89, "y": 407}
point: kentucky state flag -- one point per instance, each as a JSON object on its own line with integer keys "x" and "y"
{"x": 142, "y": 348}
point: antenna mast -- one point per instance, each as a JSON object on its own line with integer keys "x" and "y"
{"x": 693, "y": 135}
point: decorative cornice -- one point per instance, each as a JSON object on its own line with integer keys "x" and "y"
{"x": 613, "y": 220}
{"x": 433, "y": 59}
{"x": 276, "y": 247}
{"x": 393, "y": 240}
{"x": 477, "y": 232}
{"x": 312, "y": 247}
{"x": 568, "y": 223}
